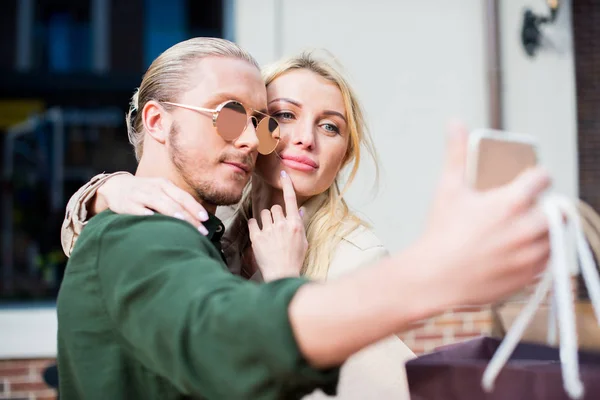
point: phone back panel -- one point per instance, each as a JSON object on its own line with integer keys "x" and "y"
{"x": 501, "y": 161}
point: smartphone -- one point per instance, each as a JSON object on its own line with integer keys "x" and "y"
{"x": 496, "y": 157}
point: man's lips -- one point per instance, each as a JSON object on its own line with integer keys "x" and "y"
{"x": 241, "y": 167}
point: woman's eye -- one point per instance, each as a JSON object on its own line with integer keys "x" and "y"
{"x": 283, "y": 115}
{"x": 331, "y": 128}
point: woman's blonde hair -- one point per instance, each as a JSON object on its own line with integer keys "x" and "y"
{"x": 333, "y": 219}
{"x": 167, "y": 77}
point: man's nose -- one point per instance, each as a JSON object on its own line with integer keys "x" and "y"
{"x": 248, "y": 139}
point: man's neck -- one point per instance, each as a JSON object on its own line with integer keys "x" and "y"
{"x": 147, "y": 169}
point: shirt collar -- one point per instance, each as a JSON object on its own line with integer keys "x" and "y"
{"x": 215, "y": 228}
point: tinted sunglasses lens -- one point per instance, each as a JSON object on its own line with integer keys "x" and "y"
{"x": 267, "y": 132}
{"x": 232, "y": 120}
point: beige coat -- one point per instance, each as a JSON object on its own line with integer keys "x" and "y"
{"x": 376, "y": 372}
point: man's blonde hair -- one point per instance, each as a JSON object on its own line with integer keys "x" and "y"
{"x": 166, "y": 78}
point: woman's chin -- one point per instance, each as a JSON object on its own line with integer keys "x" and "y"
{"x": 304, "y": 191}
{"x": 304, "y": 188}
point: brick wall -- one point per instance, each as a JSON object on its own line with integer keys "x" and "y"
{"x": 586, "y": 41}
{"x": 464, "y": 323}
{"x": 451, "y": 327}
{"x": 23, "y": 380}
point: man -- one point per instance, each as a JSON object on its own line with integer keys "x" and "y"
{"x": 147, "y": 308}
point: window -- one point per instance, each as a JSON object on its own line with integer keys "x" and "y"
{"x": 62, "y": 36}
{"x": 166, "y": 23}
{"x": 78, "y": 64}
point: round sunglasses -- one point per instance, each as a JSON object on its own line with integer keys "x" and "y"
{"x": 231, "y": 119}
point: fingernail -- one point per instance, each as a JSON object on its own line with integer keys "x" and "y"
{"x": 301, "y": 212}
{"x": 203, "y": 230}
{"x": 283, "y": 174}
{"x": 203, "y": 215}
{"x": 148, "y": 212}
{"x": 178, "y": 215}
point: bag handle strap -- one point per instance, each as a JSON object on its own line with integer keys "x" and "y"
{"x": 568, "y": 242}
{"x": 590, "y": 221}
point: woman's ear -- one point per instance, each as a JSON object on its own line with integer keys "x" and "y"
{"x": 156, "y": 121}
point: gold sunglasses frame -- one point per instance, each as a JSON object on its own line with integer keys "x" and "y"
{"x": 215, "y": 114}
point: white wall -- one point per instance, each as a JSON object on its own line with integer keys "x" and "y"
{"x": 539, "y": 93}
{"x": 416, "y": 65}
{"x": 28, "y": 332}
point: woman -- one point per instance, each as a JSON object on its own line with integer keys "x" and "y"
{"x": 322, "y": 130}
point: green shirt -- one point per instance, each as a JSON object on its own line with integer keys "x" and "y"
{"x": 148, "y": 310}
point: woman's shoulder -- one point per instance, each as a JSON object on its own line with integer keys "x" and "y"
{"x": 357, "y": 248}
{"x": 362, "y": 238}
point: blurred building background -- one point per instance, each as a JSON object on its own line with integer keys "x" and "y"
{"x": 68, "y": 68}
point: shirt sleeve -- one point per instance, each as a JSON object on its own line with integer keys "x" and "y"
{"x": 76, "y": 215}
{"x": 186, "y": 318}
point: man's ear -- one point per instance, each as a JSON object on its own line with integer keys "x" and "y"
{"x": 156, "y": 121}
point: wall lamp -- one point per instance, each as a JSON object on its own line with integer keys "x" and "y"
{"x": 531, "y": 36}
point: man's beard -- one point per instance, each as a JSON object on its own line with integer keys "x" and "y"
{"x": 203, "y": 188}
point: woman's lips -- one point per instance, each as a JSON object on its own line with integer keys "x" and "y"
{"x": 299, "y": 163}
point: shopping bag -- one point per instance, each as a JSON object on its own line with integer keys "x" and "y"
{"x": 533, "y": 372}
